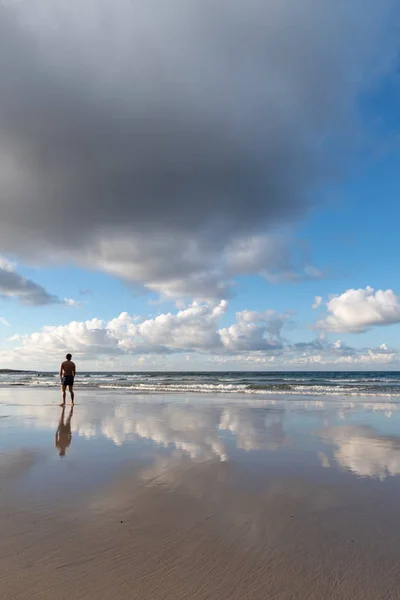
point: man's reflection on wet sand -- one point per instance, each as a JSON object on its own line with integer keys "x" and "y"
{"x": 63, "y": 434}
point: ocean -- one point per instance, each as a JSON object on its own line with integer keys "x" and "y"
{"x": 322, "y": 383}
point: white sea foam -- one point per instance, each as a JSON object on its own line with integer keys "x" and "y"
{"x": 259, "y": 384}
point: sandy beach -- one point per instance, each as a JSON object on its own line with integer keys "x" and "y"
{"x": 158, "y": 497}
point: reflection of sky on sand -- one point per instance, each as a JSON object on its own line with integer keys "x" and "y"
{"x": 254, "y": 429}
{"x": 197, "y": 431}
{"x": 357, "y": 436}
{"x": 363, "y": 452}
{"x": 15, "y": 463}
{"x": 225, "y": 493}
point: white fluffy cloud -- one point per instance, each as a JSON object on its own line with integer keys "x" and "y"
{"x": 257, "y": 339}
{"x": 192, "y": 329}
{"x": 89, "y": 337}
{"x": 72, "y": 303}
{"x": 356, "y": 311}
{"x": 317, "y": 302}
{"x": 254, "y": 331}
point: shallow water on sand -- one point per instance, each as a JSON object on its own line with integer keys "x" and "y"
{"x": 197, "y": 496}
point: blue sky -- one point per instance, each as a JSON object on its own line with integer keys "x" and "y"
{"x": 208, "y": 205}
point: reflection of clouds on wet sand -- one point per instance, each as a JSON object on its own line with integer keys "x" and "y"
{"x": 16, "y": 463}
{"x": 195, "y": 430}
{"x": 207, "y": 431}
{"x": 188, "y": 429}
{"x": 346, "y": 408}
{"x": 363, "y": 452}
{"x": 255, "y": 429}
{"x": 191, "y": 430}
{"x": 324, "y": 459}
{"x": 387, "y": 408}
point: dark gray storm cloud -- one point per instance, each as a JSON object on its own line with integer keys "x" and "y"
{"x": 14, "y": 285}
{"x": 153, "y": 139}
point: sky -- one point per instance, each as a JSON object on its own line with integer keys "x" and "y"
{"x": 199, "y": 185}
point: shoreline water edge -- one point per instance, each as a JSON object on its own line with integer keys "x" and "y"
{"x": 321, "y": 383}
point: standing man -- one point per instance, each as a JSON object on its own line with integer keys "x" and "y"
{"x": 67, "y": 374}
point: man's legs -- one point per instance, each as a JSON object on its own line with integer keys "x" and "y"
{"x": 64, "y": 393}
{"x": 71, "y": 393}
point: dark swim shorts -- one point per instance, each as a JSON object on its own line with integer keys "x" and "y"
{"x": 68, "y": 380}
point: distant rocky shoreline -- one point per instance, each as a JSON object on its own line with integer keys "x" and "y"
{"x": 6, "y": 371}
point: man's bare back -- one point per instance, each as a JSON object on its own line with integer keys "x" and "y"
{"x": 68, "y": 368}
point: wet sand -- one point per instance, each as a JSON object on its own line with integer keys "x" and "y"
{"x": 178, "y": 497}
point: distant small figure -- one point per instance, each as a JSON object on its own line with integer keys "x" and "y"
{"x": 67, "y": 374}
{"x": 63, "y": 433}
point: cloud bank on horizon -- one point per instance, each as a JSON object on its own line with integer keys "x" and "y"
{"x": 255, "y": 340}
